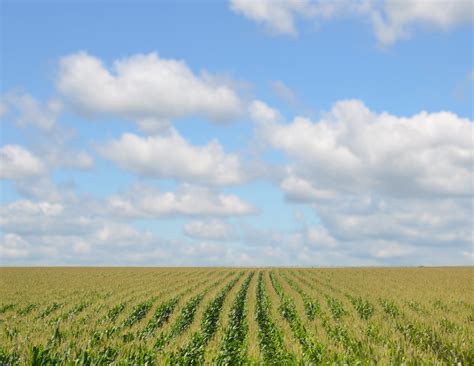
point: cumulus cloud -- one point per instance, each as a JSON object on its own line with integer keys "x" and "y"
{"x": 59, "y": 232}
{"x": 171, "y": 156}
{"x": 210, "y": 230}
{"x": 120, "y": 234}
{"x": 392, "y": 20}
{"x": 143, "y": 202}
{"x": 260, "y": 112}
{"x": 398, "y": 19}
{"x": 381, "y": 184}
{"x": 17, "y": 162}
{"x": 39, "y": 123}
{"x": 469, "y": 255}
{"x": 78, "y": 230}
{"x": 352, "y": 149}
{"x": 30, "y": 111}
{"x": 278, "y": 16}
{"x": 393, "y": 250}
{"x": 43, "y": 189}
{"x": 13, "y": 246}
{"x": 442, "y": 223}
{"x": 29, "y": 171}
{"x": 309, "y": 245}
{"x": 145, "y": 88}
{"x": 41, "y": 217}
{"x": 319, "y": 237}
{"x": 299, "y": 189}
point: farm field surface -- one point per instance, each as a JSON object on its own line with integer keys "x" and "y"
{"x": 236, "y": 316}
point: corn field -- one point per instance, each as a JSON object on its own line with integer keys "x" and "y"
{"x": 197, "y": 316}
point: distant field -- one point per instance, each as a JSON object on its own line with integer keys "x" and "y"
{"x": 236, "y": 316}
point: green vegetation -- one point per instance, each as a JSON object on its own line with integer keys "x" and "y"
{"x": 186, "y": 316}
{"x": 233, "y": 350}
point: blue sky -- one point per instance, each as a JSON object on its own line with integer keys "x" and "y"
{"x": 236, "y": 133}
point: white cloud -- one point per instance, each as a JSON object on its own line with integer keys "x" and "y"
{"x": 57, "y": 154}
{"x": 469, "y": 255}
{"x": 188, "y": 200}
{"x": 391, "y": 250}
{"x": 442, "y": 223}
{"x": 12, "y": 246}
{"x": 171, "y": 156}
{"x": 45, "y": 232}
{"x": 119, "y": 234}
{"x": 30, "y": 111}
{"x": 392, "y": 20}
{"x": 299, "y": 189}
{"x": 144, "y": 88}
{"x": 352, "y": 149}
{"x": 310, "y": 245}
{"x": 153, "y": 126}
{"x": 210, "y": 230}
{"x": 80, "y": 231}
{"x": 86, "y": 231}
{"x": 399, "y": 18}
{"x": 50, "y": 139}
{"x": 34, "y": 217}
{"x": 319, "y": 237}
{"x": 26, "y": 207}
{"x": 43, "y": 189}
{"x": 16, "y": 163}
{"x": 278, "y": 16}
{"x": 211, "y": 251}
{"x": 81, "y": 247}
{"x": 260, "y": 112}
{"x": 381, "y": 184}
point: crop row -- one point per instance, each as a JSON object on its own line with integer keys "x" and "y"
{"x": 425, "y": 338}
{"x": 297, "y": 317}
{"x": 232, "y": 351}
{"x": 354, "y": 350}
{"x": 270, "y": 335}
{"x": 184, "y": 320}
{"x": 193, "y": 352}
{"x": 158, "y": 319}
{"x": 50, "y": 353}
{"x": 142, "y": 355}
{"x": 312, "y": 350}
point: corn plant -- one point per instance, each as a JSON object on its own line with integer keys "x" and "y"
{"x": 336, "y": 307}
{"x": 390, "y": 308}
{"x": 7, "y": 307}
{"x": 49, "y": 309}
{"x": 138, "y": 313}
{"x": 183, "y": 322}
{"x": 312, "y": 351}
{"x": 27, "y": 309}
{"x": 113, "y": 313}
{"x": 193, "y": 352}
{"x": 160, "y": 317}
{"x": 363, "y": 307}
{"x": 312, "y": 307}
{"x": 270, "y": 336}
{"x": 232, "y": 350}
